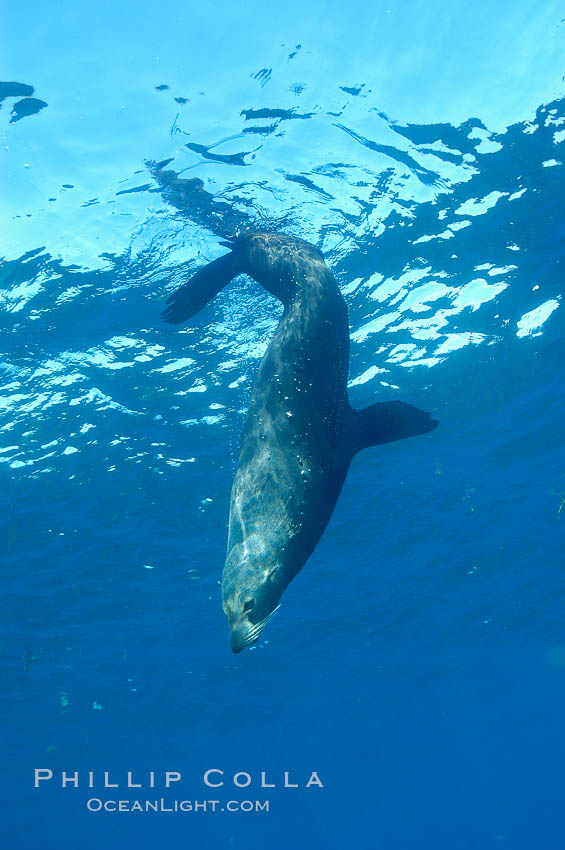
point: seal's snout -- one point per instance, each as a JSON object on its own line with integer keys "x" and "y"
{"x": 235, "y": 644}
{"x": 237, "y": 641}
{"x": 242, "y": 635}
{"x": 241, "y": 628}
{"x": 244, "y": 632}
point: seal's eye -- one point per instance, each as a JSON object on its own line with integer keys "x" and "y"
{"x": 248, "y": 605}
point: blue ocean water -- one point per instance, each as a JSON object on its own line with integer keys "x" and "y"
{"x": 417, "y": 664}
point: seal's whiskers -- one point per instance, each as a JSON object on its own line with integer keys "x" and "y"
{"x": 256, "y": 629}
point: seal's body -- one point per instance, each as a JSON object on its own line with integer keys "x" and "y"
{"x": 300, "y": 432}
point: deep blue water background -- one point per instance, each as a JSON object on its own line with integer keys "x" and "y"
{"x": 418, "y": 661}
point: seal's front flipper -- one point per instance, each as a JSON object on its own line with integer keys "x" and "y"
{"x": 388, "y": 421}
{"x": 186, "y": 301}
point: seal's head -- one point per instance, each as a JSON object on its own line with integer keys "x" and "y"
{"x": 249, "y": 609}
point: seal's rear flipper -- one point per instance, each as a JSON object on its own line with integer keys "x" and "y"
{"x": 186, "y": 301}
{"x": 388, "y": 421}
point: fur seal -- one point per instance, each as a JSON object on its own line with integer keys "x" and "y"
{"x": 300, "y": 432}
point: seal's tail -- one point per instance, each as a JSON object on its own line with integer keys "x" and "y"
{"x": 191, "y": 297}
{"x": 388, "y": 421}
